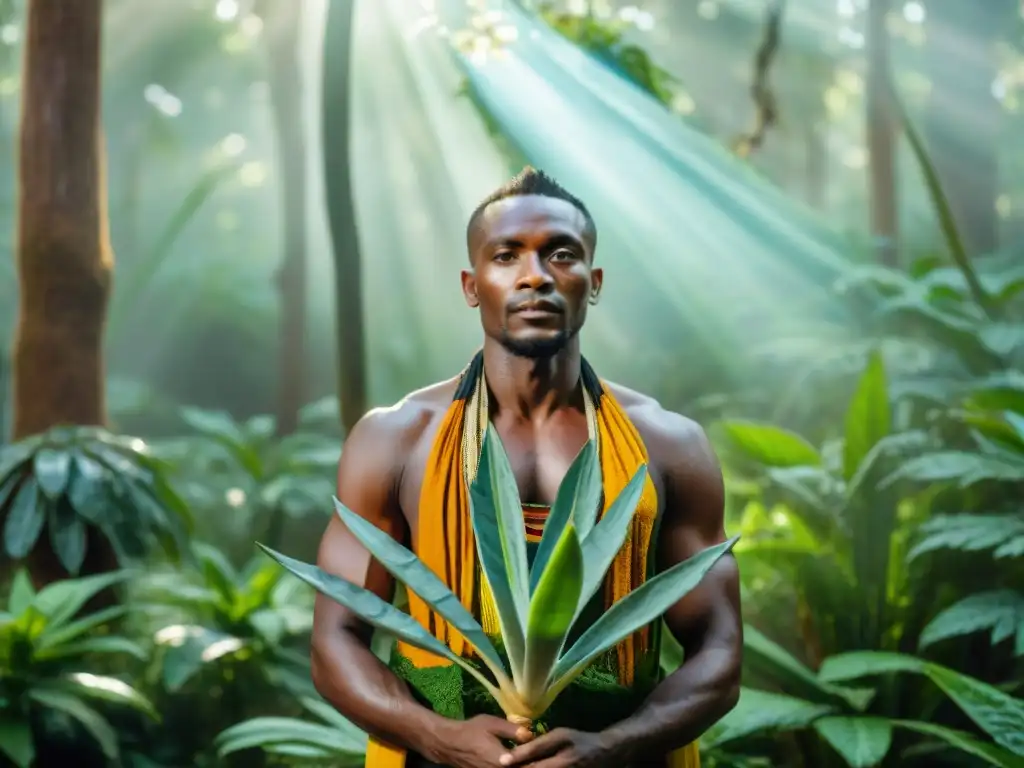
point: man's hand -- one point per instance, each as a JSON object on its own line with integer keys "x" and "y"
{"x": 566, "y": 748}
{"x": 475, "y": 743}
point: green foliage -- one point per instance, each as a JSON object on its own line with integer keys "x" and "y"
{"x": 49, "y": 651}
{"x": 69, "y": 480}
{"x": 535, "y": 623}
{"x": 604, "y": 39}
{"x": 334, "y": 741}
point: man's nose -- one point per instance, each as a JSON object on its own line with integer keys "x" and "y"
{"x": 533, "y": 274}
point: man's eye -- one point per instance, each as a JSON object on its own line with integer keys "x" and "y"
{"x": 562, "y": 254}
{"x": 504, "y": 256}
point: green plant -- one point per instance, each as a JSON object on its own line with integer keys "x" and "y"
{"x": 249, "y": 465}
{"x": 211, "y": 614}
{"x": 70, "y": 479}
{"x": 332, "y": 742}
{"x": 49, "y": 686}
{"x": 537, "y": 607}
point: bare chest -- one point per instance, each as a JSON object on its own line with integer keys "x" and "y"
{"x": 539, "y": 459}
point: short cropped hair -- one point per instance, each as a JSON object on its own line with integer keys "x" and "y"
{"x": 530, "y": 181}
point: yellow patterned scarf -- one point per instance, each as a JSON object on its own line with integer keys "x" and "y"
{"x": 446, "y": 544}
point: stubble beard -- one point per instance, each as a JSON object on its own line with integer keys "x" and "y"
{"x": 536, "y": 349}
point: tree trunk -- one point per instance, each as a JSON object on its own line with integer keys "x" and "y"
{"x": 341, "y": 212}
{"x": 64, "y": 257}
{"x": 282, "y": 37}
{"x": 282, "y": 25}
{"x": 883, "y": 200}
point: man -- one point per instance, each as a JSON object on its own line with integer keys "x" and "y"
{"x": 406, "y": 468}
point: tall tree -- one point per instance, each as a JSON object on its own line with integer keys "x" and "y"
{"x": 64, "y": 258}
{"x": 883, "y": 199}
{"x": 341, "y": 212}
{"x": 282, "y": 21}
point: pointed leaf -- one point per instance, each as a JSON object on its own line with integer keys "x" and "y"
{"x": 552, "y": 612}
{"x": 67, "y": 535}
{"x": 410, "y": 570}
{"x": 51, "y": 471}
{"x": 639, "y": 608}
{"x": 606, "y": 539}
{"x": 22, "y": 593}
{"x": 25, "y": 519}
{"x": 88, "y": 492}
{"x": 373, "y": 610}
{"x": 55, "y": 636}
{"x": 863, "y": 742}
{"x": 492, "y": 563}
{"x": 16, "y": 741}
{"x": 763, "y": 712}
{"x": 103, "y": 644}
{"x": 103, "y": 688}
{"x": 495, "y": 478}
{"x": 94, "y": 723}
{"x": 769, "y": 445}
{"x": 576, "y": 502}
{"x": 868, "y": 419}
{"x": 965, "y": 742}
{"x": 61, "y": 600}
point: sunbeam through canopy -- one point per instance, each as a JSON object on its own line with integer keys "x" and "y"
{"x": 705, "y": 261}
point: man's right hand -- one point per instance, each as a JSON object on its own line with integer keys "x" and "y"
{"x": 475, "y": 743}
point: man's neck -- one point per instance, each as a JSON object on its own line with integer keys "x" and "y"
{"x": 533, "y": 389}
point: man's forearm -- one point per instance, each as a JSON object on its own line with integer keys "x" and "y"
{"x": 353, "y": 680}
{"x": 681, "y": 708}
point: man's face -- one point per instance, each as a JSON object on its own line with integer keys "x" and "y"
{"x": 532, "y": 277}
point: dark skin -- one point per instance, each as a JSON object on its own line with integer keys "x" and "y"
{"x": 532, "y": 279}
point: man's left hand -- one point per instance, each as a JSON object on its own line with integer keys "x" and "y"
{"x": 565, "y": 748}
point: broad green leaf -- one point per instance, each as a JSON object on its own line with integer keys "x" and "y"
{"x": 218, "y": 572}
{"x": 103, "y": 644}
{"x": 761, "y": 711}
{"x": 552, "y": 612}
{"x": 373, "y": 610}
{"x": 25, "y": 519}
{"x": 868, "y": 418}
{"x": 88, "y": 491}
{"x": 606, "y": 539}
{"x": 16, "y": 741}
{"x": 769, "y": 445}
{"x": 1001, "y": 611}
{"x": 268, "y": 731}
{"x": 22, "y": 593}
{"x": 101, "y": 688}
{"x": 576, "y": 503}
{"x": 8, "y": 485}
{"x": 965, "y": 742}
{"x": 54, "y": 636}
{"x": 332, "y": 717}
{"x": 410, "y": 570}
{"x": 640, "y": 607}
{"x": 67, "y": 535}
{"x": 495, "y": 478}
{"x": 863, "y": 742}
{"x": 1000, "y": 715}
{"x": 771, "y": 660}
{"x": 61, "y": 600}
{"x": 50, "y": 468}
{"x": 94, "y": 723}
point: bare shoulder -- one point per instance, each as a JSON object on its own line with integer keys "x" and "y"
{"x": 671, "y": 438}
{"x": 402, "y": 425}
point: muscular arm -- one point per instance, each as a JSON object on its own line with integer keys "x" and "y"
{"x": 345, "y": 672}
{"x": 706, "y": 622}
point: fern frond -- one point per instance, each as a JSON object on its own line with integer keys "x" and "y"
{"x": 1003, "y": 534}
{"x": 1001, "y": 611}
